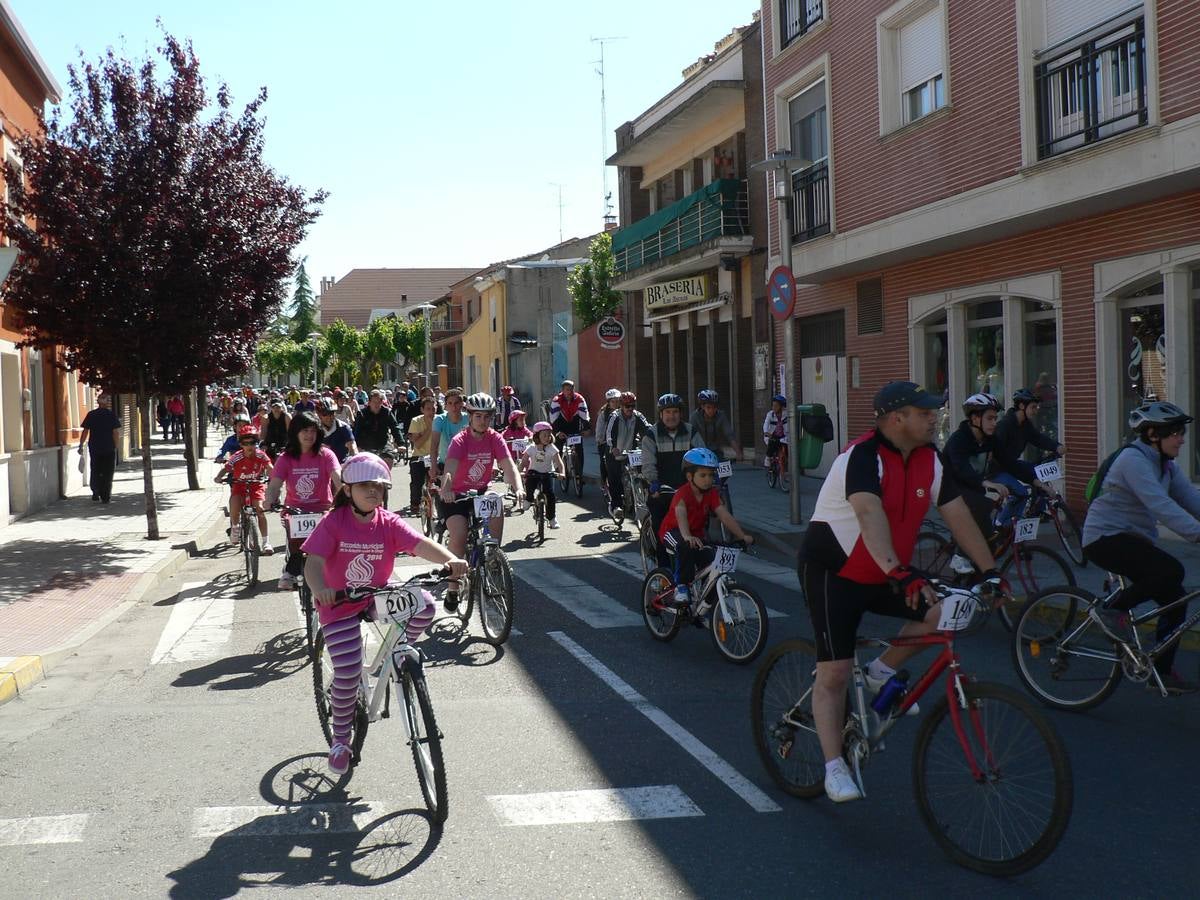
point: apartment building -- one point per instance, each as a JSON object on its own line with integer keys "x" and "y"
{"x": 994, "y": 194}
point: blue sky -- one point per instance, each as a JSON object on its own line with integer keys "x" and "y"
{"x": 437, "y": 128}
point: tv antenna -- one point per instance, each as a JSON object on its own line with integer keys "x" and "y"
{"x": 560, "y": 209}
{"x": 604, "y": 121}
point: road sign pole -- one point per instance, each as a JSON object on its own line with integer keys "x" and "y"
{"x": 782, "y": 180}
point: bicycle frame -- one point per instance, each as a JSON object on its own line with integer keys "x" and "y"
{"x": 395, "y": 652}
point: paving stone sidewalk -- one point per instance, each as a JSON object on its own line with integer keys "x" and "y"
{"x": 69, "y": 570}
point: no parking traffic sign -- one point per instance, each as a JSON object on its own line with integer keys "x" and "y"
{"x": 781, "y": 287}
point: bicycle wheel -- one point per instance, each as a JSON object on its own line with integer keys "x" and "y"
{"x": 1062, "y": 655}
{"x": 932, "y": 555}
{"x": 662, "y": 623}
{"x": 785, "y": 734}
{"x": 772, "y": 471}
{"x": 495, "y": 580}
{"x": 539, "y": 514}
{"x": 1030, "y": 569}
{"x": 578, "y": 475}
{"x": 322, "y": 685}
{"x": 250, "y": 549}
{"x": 648, "y": 546}
{"x": 1068, "y": 531}
{"x": 426, "y": 743}
{"x": 739, "y": 625}
{"x": 1009, "y": 817}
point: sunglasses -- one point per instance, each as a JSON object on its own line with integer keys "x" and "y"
{"x": 626, "y": 406}
{"x": 248, "y": 441}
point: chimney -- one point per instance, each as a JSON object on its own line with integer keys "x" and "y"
{"x": 610, "y": 223}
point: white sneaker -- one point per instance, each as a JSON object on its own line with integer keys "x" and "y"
{"x": 839, "y": 784}
{"x": 875, "y": 685}
{"x": 961, "y": 565}
{"x": 287, "y": 582}
{"x": 235, "y": 535}
{"x": 553, "y": 523}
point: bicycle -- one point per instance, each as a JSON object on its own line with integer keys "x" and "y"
{"x": 249, "y": 540}
{"x": 1021, "y": 562}
{"x": 991, "y": 775}
{"x": 298, "y": 525}
{"x": 738, "y": 615}
{"x": 490, "y": 577}
{"x": 1065, "y": 656}
{"x": 572, "y": 466}
{"x": 538, "y": 504}
{"x": 396, "y": 662}
{"x": 1050, "y": 505}
{"x": 778, "y": 474}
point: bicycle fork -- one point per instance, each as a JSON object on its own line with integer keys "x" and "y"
{"x": 957, "y": 697}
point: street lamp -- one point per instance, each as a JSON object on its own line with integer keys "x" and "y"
{"x": 427, "y": 308}
{"x": 315, "y": 336}
{"x": 782, "y": 163}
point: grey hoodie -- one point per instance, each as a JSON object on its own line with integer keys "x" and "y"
{"x": 1139, "y": 492}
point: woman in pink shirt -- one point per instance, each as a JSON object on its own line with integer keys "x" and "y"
{"x": 356, "y": 546}
{"x": 469, "y": 461}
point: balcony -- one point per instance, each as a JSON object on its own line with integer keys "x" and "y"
{"x": 1093, "y": 90}
{"x": 810, "y": 202}
{"x": 685, "y": 234}
{"x": 796, "y": 19}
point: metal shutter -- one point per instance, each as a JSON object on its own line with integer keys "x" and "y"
{"x": 921, "y": 49}
{"x": 1067, "y": 18}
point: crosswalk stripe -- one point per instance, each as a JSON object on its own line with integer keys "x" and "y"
{"x": 623, "y": 560}
{"x": 42, "y": 830}
{"x": 727, "y": 774}
{"x": 271, "y": 821}
{"x": 198, "y": 629}
{"x": 665, "y": 801}
{"x": 592, "y": 606}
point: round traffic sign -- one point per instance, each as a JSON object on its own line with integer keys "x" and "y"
{"x": 781, "y": 287}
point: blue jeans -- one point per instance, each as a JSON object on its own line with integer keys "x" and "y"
{"x": 1017, "y": 492}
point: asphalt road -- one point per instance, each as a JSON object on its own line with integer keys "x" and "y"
{"x": 179, "y": 754}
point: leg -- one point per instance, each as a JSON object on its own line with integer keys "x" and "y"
{"x": 551, "y": 500}
{"x": 829, "y": 704}
{"x": 616, "y": 484}
{"x": 235, "y": 514}
{"x": 416, "y": 472}
{"x": 107, "y": 464}
{"x": 344, "y": 642}
{"x": 894, "y": 657}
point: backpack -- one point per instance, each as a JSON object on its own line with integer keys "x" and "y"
{"x": 1095, "y": 485}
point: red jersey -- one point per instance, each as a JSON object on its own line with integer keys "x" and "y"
{"x": 249, "y": 465}
{"x": 697, "y": 510}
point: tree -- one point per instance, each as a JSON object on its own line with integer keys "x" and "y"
{"x": 590, "y": 283}
{"x": 379, "y": 346}
{"x": 346, "y": 347}
{"x": 304, "y": 307}
{"x": 163, "y": 242}
{"x": 410, "y": 340}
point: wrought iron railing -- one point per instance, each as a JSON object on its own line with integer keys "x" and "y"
{"x": 796, "y": 17}
{"x": 720, "y": 215}
{"x": 810, "y": 202}
{"x": 1093, "y": 90}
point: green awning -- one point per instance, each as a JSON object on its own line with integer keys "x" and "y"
{"x": 717, "y": 193}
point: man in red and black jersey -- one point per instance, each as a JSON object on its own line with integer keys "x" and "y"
{"x": 858, "y": 548}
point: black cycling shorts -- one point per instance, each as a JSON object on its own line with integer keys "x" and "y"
{"x": 464, "y": 508}
{"x": 836, "y": 606}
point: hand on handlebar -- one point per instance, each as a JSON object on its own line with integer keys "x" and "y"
{"x": 458, "y": 567}
{"x": 914, "y": 585}
{"x": 694, "y": 542}
{"x": 325, "y": 596}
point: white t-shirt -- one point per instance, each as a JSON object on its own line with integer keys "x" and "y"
{"x": 541, "y": 459}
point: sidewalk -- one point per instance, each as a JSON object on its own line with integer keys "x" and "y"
{"x": 68, "y": 571}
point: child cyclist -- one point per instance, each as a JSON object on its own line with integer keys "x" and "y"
{"x": 355, "y": 545}
{"x": 687, "y": 519}
{"x": 516, "y": 430}
{"x": 540, "y": 462}
{"x": 247, "y": 471}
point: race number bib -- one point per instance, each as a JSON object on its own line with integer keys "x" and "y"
{"x": 957, "y": 610}
{"x": 635, "y": 457}
{"x": 519, "y": 446}
{"x": 304, "y": 525}
{"x": 397, "y": 606}
{"x": 1026, "y": 530}
{"x": 726, "y": 559}
{"x": 574, "y": 440}
{"x": 725, "y": 470}
{"x": 1048, "y": 471}
{"x": 489, "y": 506}
{"x": 428, "y": 461}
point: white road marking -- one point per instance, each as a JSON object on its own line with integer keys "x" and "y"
{"x": 624, "y": 560}
{"x": 42, "y": 830}
{"x": 666, "y": 801}
{"x": 726, "y": 773}
{"x": 309, "y": 818}
{"x": 199, "y": 627}
{"x": 592, "y": 606}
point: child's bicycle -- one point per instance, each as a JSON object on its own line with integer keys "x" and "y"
{"x": 991, "y": 775}
{"x": 778, "y": 474}
{"x": 249, "y": 542}
{"x": 738, "y": 616}
{"x": 397, "y": 662}
{"x": 490, "y": 577}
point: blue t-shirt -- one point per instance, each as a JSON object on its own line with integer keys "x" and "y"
{"x": 447, "y": 429}
{"x": 338, "y": 441}
{"x": 100, "y": 423}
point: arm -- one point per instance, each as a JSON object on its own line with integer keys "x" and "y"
{"x": 1136, "y": 475}
{"x": 436, "y": 553}
{"x": 957, "y": 459}
{"x": 510, "y": 475}
{"x": 83, "y": 436}
{"x": 435, "y": 442}
{"x": 730, "y": 437}
{"x": 314, "y": 575}
{"x": 681, "y": 522}
{"x": 650, "y": 459}
{"x": 394, "y": 427}
{"x": 273, "y": 487}
{"x": 448, "y": 479}
{"x": 731, "y": 524}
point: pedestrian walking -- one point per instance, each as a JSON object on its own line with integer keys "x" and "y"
{"x": 101, "y": 432}
{"x": 175, "y": 410}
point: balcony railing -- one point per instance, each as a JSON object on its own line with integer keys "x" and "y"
{"x": 810, "y": 202}
{"x": 720, "y": 209}
{"x": 1093, "y": 90}
{"x": 796, "y": 17}
{"x": 443, "y": 327}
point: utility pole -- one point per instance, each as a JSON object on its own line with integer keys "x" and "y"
{"x": 604, "y": 122}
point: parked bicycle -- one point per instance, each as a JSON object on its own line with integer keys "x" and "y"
{"x": 397, "y": 662}
{"x": 734, "y": 614}
{"x": 991, "y": 775}
{"x": 489, "y": 583}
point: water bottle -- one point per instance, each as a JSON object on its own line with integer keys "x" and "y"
{"x": 891, "y": 692}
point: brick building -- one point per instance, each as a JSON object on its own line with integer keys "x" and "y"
{"x": 691, "y": 252}
{"x": 1001, "y": 193}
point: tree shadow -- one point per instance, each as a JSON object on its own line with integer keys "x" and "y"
{"x": 30, "y": 566}
{"x": 281, "y": 656}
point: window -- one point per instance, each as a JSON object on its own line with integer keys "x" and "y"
{"x": 37, "y": 396}
{"x": 808, "y": 127}
{"x": 913, "y": 81}
{"x": 492, "y": 310}
{"x": 985, "y": 348}
{"x": 797, "y": 17}
{"x": 924, "y": 99}
{"x": 936, "y": 376}
{"x": 1041, "y": 362}
{"x": 11, "y": 157}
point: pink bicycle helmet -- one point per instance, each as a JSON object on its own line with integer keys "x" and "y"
{"x": 541, "y": 426}
{"x": 516, "y": 414}
{"x": 363, "y": 467}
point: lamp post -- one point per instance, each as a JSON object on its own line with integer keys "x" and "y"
{"x": 427, "y": 308}
{"x": 782, "y": 163}
{"x": 315, "y": 336}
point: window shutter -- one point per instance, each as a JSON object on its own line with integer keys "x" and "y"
{"x": 870, "y": 306}
{"x": 921, "y": 49}
{"x": 1067, "y": 18}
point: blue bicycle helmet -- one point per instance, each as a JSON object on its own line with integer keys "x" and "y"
{"x": 699, "y": 457}
{"x": 707, "y": 396}
{"x": 669, "y": 401}
{"x": 779, "y": 398}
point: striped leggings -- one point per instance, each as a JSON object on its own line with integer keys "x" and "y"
{"x": 343, "y": 640}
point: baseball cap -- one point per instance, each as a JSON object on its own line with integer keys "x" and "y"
{"x": 897, "y": 394}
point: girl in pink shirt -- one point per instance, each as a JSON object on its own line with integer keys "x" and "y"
{"x": 356, "y": 546}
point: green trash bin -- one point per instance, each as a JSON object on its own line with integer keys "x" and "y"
{"x": 810, "y": 446}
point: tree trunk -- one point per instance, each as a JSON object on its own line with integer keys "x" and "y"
{"x": 189, "y": 438}
{"x": 145, "y": 415}
{"x": 202, "y": 422}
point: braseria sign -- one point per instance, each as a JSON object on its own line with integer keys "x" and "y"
{"x": 672, "y": 293}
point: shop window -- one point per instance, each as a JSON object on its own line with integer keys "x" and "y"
{"x": 985, "y": 348}
{"x": 1041, "y": 362}
{"x": 936, "y": 377}
{"x": 1142, "y": 356}
{"x": 37, "y": 397}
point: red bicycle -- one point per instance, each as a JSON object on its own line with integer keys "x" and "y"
{"x": 991, "y": 775}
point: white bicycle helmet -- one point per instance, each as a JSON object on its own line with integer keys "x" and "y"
{"x": 612, "y": 394}
{"x": 363, "y": 467}
{"x": 481, "y": 402}
{"x": 1157, "y": 412}
{"x": 978, "y": 403}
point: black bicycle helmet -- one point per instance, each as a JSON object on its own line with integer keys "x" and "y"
{"x": 1025, "y": 395}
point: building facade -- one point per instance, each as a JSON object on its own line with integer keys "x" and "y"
{"x": 691, "y": 252}
{"x": 995, "y": 195}
{"x": 366, "y": 294}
